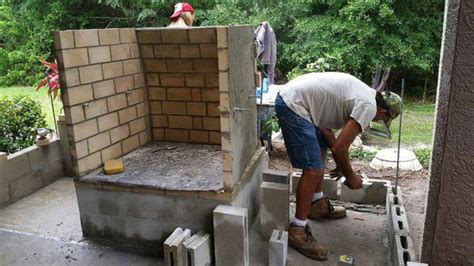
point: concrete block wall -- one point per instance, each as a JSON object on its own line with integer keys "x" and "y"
{"x": 104, "y": 94}
{"x": 28, "y": 170}
{"x": 182, "y": 76}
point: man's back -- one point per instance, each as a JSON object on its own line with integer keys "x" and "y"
{"x": 328, "y": 99}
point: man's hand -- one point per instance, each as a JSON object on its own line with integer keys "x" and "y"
{"x": 354, "y": 182}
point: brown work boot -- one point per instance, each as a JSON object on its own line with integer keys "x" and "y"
{"x": 322, "y": 208}
{"x": 301, "y": 239}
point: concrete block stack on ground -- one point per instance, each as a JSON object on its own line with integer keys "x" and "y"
{"x": 173, "y": 248}
{"x": 330, "y": 185}
{"x": 274, "y": 207}
{"x": 278, "y": 248}
{"x": 367, "y": 195}
{"x": 199, "y": 249}
{"x": 231, "y": 236}
{"x": 275, "y": 176}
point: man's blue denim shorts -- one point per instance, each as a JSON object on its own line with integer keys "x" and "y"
{"x": 303, "y": 140}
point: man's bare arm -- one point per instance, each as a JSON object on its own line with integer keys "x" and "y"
{"x": 329, "y": 137}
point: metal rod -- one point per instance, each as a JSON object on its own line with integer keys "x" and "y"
{"x": 397, "y": 176}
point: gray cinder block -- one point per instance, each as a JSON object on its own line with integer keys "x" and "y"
{"x": 402, "y": 250}
{"x": 329, "y": 185}
{"x": 231, "y": 239}
{"x": 411, "y": 263}
{"x": 276, "y": 176}
{"x": 371, "y": 196}
{"x": 198, "y": 249}
{"x": 278, "y": 248}
{"x": 274, "y": 208}
{"x": 173, "y": 247}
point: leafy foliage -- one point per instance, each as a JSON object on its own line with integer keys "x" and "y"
{"x": 270, "y": 125}
{"x": 424, "y": 156}
{"x": 362, "y": 154}
{"x": 20, "y": 116}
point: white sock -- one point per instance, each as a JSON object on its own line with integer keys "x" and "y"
{"x": 299, "y": 222}
{"x": 317, "y": 196}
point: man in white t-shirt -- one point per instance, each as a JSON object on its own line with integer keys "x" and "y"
{"x": 308, "y": 108}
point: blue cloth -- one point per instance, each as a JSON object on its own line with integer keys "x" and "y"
{"x": 303, "y": 140}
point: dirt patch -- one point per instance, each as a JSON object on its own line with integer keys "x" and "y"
{"x": 413, "y": 184}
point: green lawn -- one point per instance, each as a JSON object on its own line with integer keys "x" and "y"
{"x": 41, "y": 96}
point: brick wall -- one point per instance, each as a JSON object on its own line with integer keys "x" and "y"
{"x": 104, "y": 94}
{"x": 182, "y": 77}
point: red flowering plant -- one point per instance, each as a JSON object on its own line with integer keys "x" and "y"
{"x": 51, "y": 78}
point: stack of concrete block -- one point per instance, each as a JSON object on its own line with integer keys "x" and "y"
{"x": 278, "y": 248}
{"x": 329, "y": 185}
{"x": 198, "y": 249}
{"x": 173, "y": 248}
{"x": 274, "y": 207}
{"x": 275, "y": 176}
{"x": 374, "y": 195}
{"x": 231, "y": 238}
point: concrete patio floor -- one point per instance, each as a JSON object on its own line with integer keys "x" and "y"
{"x": 44, "y": 229}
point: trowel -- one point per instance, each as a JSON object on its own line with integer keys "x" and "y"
{"x": 374, "y": 186}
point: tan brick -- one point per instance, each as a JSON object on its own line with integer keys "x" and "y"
{"x": 104, "y": 88}
{"x": 116, "y": 102}
{"x": 85, "y": 38}
{"x": 81, "y": 149}
{"x": 80, "y": 94}
{"x": 213, "y": 109}
{"x": 89, "y": 163}
{"x": 137, "y": 125}
{"x": 223, "y": 81}
{"x": 90, "y": 73}
{"x": 154, "y": 65}
{"x": 70, "y": 77}
{"x": 109, "y": 36}
{"x": 176, "y": 135}
{"x": 178, "y": 94}
{"x": 205, "y": 65}
{"x": 196, "y": 94}
{"x": 85, "y": 129}
{"x": 142, "y": 109}
{"x": 190, "y": 51}
{"x": 166, "y": 51}
{"x": 225, "y": 126}
{"x": 183, "y": 122}
{"x": 127, "y": 115}
{"x": 127, "y": 35}
{"x": 159, "y": 120}
{"x": 197, "y": 122}
{"x": 214, "y": 137}
{"x": 131, "y": 66}
{"x": 174, "y": 36}
{"x": 137, "y": 96}
{"x": 156, "y": 93}
{"x": 149, "y": 36}
{"x": 95, "y": 108}
{"x": 194, "y": 80}
{"x": 225, "y": 142}
{"x": 155, "y": 107}
{"x": 75, "y": 57}
{"x": 108, "y": 121}
{"x": 147, "y": 51}
{"x": 211, "y": 123}
{"x": 223, "y": 58}
{"x": 124, "y": 84}
{"x": 196, "y": 108}
{"x": 158, "y": 134}
{"x": 74, "y": 114}
{"x": 139, "y": 80}
{"x": 210, "y": 95}
{"x": 208, "y": 50}
{"x": 152, "y": 79}
{"x": 120, "y": 52}
{"x": 227, "y": 162}
{"x": 212, "y": 80}
{"x": 130, "y": 144}
{"x": 198, "y": 136}
{"x": 99, "y": 54}
{"x": 112, "y": 152}
{"x": 99, "y": 142}
{"x": 134, "y": 50}
{"x": 63, "y": 39}
{"x": 224, "y": 100}
{"x": 119, "y": 133}
{"x": 221, "y": 37}
{"x": 144, "y": 137}
{"x": 179, "y": 65}
{"x": 174, "y": 108}
{"x": 112, "y": 70}
{"x": 172, "y": 80}
{"x": 197, "y": 35}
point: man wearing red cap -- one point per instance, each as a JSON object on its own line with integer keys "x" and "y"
{"x": 183, "y": 15}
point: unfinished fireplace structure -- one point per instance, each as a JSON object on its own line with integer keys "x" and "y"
{"x": 156, "y": 91}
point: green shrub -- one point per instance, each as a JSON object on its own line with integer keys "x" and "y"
{"x": 423, "y": 155}
{"x": 362, "y": 154}
{"x": 20, "y": 116}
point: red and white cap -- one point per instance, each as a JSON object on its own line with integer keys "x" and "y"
{"x": 179, "y": 8}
